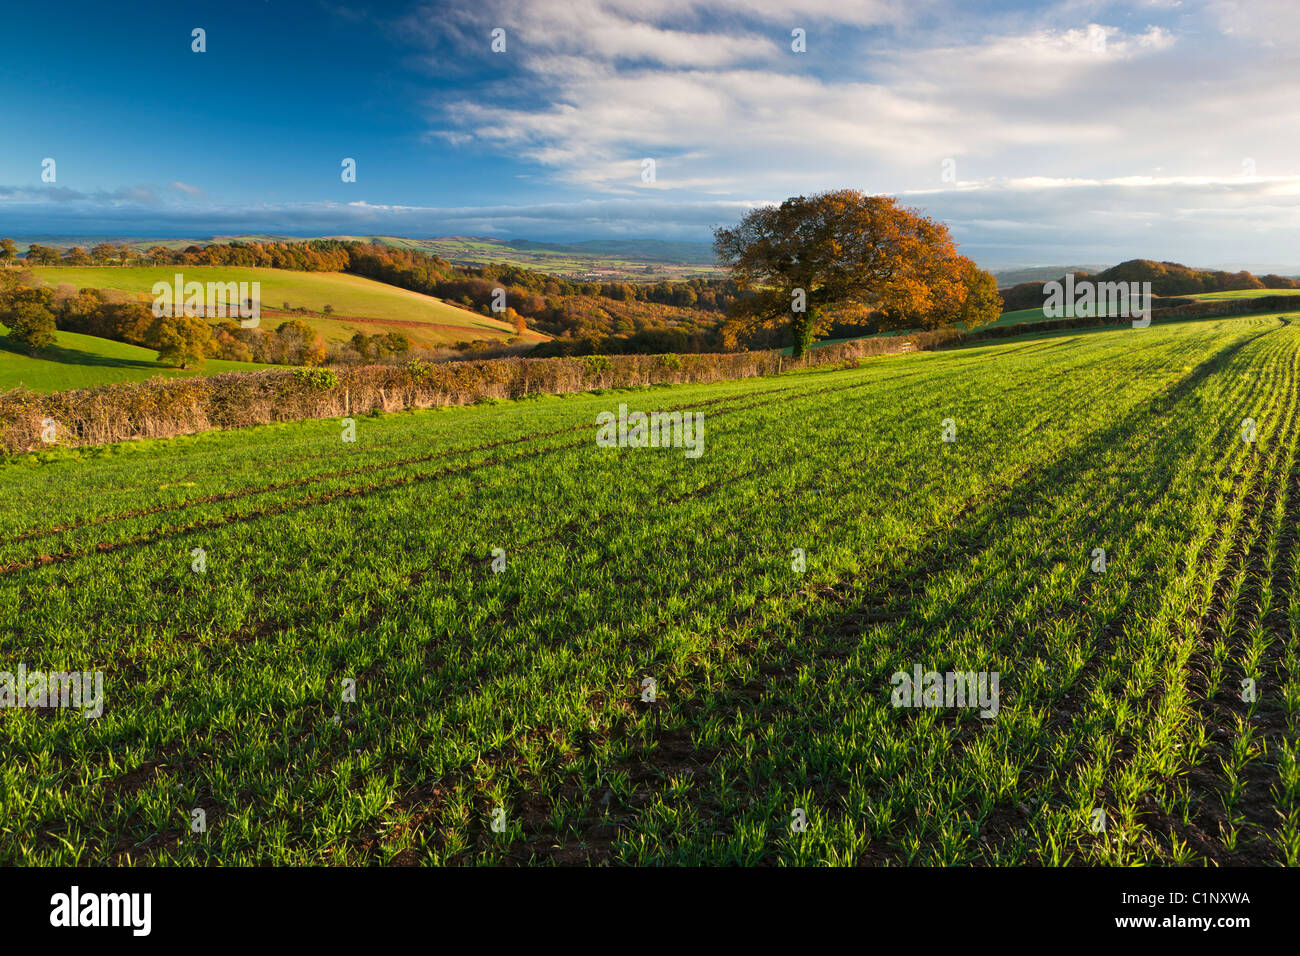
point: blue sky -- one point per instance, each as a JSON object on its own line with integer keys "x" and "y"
{"x": 1042, "y": 133}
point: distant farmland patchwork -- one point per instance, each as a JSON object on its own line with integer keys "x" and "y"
{"x": 828, "y": 539}
{"x": 1246, "y": 293}
{"x": 611, "y": 260}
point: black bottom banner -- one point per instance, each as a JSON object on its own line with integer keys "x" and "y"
{"x": 336, "y": 906}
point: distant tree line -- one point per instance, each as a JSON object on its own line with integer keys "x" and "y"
{"x": 612, "y": 317}
{"x": 1166, "y": 278}
{"x": 895, "y": 269}
{"x": 316, "y": 256}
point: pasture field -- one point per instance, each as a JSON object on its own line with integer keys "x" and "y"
{"x": 1037, "y": 315}
{"x": 518, "y": 698}
{"x": 634, "y": 261}
{"x": 83, "y": 361}
{"x": 1245, "y": 293}
{"x": 1022, "y": 315}
{"x": 655, "y": 262}
{"x": 359, "y": 304}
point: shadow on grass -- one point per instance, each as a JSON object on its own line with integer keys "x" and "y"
{"x": 71, "y": 356}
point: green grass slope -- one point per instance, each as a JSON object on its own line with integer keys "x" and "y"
{"x": 82, "y": 361}
{"x": 359, "y": 304}
{"x": 1245, "y": 293}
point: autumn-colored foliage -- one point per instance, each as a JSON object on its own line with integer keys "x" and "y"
{"x": 180, "y": 340}
{"x": 26, "y": 313}
{"x": 851, "y": 258}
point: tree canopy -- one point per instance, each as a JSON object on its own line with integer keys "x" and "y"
{"x": 26, "y": 312}
{"x": 180, "y": 339}
{"x": 849, "y": 258}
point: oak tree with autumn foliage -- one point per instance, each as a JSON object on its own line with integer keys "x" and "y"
{"x": 849, "y": 258}
{"x": 180, "y": 340}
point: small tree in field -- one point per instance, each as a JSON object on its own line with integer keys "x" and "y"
{"x": 361, "y": 345}
{"x": 27, "y": 314}
{"x": 397, "y": 343}
{"x": 847, "y": 257}
{"x": 180, "y": 340}
{"x": 299, "y": 343}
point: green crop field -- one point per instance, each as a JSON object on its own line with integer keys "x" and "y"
{"x": 83, "y": 361}
{"x": 1021, "y": 315}
{"x": 435, "y": 644}
{"x": 1036, "y": 315}
{"x": 1245, "y": 293}
{"x": 359, "y": 304}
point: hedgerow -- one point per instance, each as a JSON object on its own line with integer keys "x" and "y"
{"x": 162, "y": 408}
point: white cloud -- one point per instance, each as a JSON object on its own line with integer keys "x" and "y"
{"x": 1079, "y": 130}
{"x": 749, "y": 115}
{"x": 1265, "y": 21}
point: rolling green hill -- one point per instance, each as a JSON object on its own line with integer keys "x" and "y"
{"x": 82, "y": 361}
{"x": 358, "y": 304}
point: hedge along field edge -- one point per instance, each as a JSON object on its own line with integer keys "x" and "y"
{"x": 162, "y": 408}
